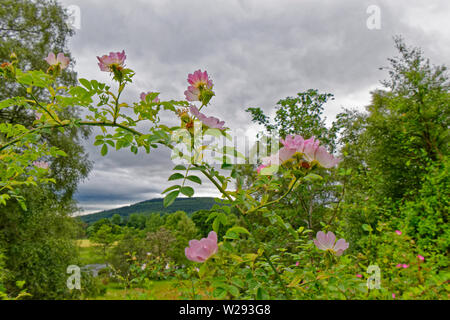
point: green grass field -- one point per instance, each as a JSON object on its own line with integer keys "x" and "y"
{"x": 89, "y": 252}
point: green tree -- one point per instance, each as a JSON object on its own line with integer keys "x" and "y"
{"x": 301, "y": 115}
{"x": 105, "y": 238}
{"x": 32, "y": 29}
{"x": 200, "y": 218}
{"x": 154, "y": 222}
{"x": 184, "y": 230}
{"x": 116, "y": 219}
{"x": 397, "y": 152}
{"x": 136, "y": 221}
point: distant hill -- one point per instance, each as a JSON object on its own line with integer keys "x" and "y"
{"x": 188, "y": 205}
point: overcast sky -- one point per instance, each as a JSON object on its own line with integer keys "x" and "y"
{"x": 256, "y": 52}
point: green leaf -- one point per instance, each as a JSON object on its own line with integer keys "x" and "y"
{"x": 233, "y": 233}
{"x": 180, "y": 167}
{"x": 104, "y": 150}
{"x": 187, "y": 191}
{"x": 176, "y": 176}
{"x": 171, "y": 188}
{"x": 85, "y": 83}
{"x": 216, "y": 225}
{"x": 313, "y": 177}
{"x": 170, "y": 198}
{"x": 195, "y": 179}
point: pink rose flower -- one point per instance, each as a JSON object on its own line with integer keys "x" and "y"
{"x": 398, "y": 232}
{"x": 405, "y": 266}
{"x": 393, "y": 296}
{"x": 359, "y": 276}
{"x": 326, "y": 242}
{"x": 399, "y": 265}
{"x": 313, "y": 152}
{"x": 295, "y": 143}
{"x": 61, "y": 59}
{"x": 297, "y": 264}
{"x": 421, "y": 257}
{"x": 325, "y": 159}
{"x": 198, "y": 81}
{"x": 115, "y": 58}
{"x": 144, "y": 95}
{"x": 211, "y": 122}
{"x": 309, "y": 148}
{"x": 286, "y": 154}
{"x": 201, "y": 250}
{"x": 281, "y": 156}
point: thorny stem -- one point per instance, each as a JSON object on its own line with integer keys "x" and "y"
{"x": 41, "y": 106}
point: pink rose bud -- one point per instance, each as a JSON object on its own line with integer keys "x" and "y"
{"x": 421, "y": 257}
{"x": 398, "y": 232}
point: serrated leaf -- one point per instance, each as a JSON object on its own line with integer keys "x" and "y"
{"x": 176, "y": 176}
{"x": 170, "y": 198}
{"x": 187, "y": 191}
{"x": 171, "y": 188}
{"x": 104, "y": 150}
{"x": 238, "y": 230}
{"x": 195, "y": 179}
{"x": 85, "y": 83}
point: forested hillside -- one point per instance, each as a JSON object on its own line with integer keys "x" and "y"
{"x": 188, "y": 205}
